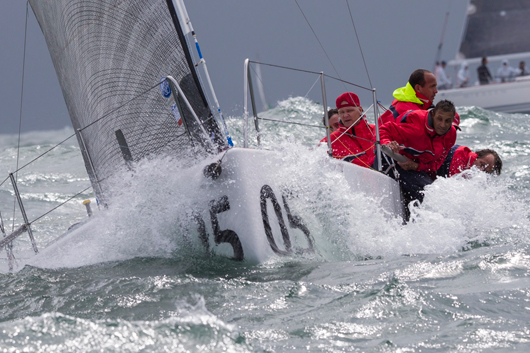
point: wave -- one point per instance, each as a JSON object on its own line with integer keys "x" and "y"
{"x": 151, "y": 215}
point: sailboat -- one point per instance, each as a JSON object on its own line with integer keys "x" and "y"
{"x": 496, "y": 30}
{"x": 135, "y": 89}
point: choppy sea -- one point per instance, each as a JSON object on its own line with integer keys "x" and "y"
{"x": 456, "y": 279}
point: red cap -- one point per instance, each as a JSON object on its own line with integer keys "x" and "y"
{"x": 348, "y": 99}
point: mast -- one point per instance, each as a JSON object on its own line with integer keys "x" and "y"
{"x": 187, "y": 28}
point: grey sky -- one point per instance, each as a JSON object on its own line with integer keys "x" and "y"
{"x": 397, "y": 37}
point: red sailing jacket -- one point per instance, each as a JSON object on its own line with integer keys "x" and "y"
{"x": 399, "y": 107}
{"x": 460, "y": 158}
{"x": 421, "y": 143}
{"x": 349, "y": 148}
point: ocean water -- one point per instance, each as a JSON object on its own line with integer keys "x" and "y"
{"x": 455, "y": 279}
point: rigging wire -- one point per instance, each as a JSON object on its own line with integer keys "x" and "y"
{"x": 319, "y": 42}
{"x": 92, "y": 123}
{"x": 56, "y": 207}
{"x": 21, "y": 103}
{"x": 311, "y": 72}
{"x": 359, "y": 42}
{"x": 259, "y": 76}
{"x": 318, "y": 79}
{"x": 325, "y": 52}
{"x": 292, "y": 122}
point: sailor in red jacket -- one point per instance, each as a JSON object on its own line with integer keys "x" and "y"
{"x": 354, "y": 141}
{"x": 418, "y": 94}
{"x": 461, "y": 158}
{"x": 425, "y": 138}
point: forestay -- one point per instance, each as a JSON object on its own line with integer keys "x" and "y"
{"x": 110, "y": 56}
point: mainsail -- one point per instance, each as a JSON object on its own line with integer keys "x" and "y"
{"x": 110, "y": 56}
{"x": 496, "y": 28}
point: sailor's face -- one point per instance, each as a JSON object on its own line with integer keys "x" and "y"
{"x": 429, "y": 89}
{"x": 334, "y": 122}
{"x": 350, "y": 115}
{"x": 485, "y": 163}
{"x": 442, "y": 122}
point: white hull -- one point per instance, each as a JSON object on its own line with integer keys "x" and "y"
{"x": 229, "y": 216}
{"x": 510, "y": 97}
{"x": 250, "y": 176}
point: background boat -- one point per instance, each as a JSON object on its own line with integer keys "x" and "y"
{"x": 496, "y": 30}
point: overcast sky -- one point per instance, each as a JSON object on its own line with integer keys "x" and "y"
{"x": 397, "y": 37}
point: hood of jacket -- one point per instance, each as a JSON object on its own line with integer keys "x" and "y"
{"x": 408, "y": 94}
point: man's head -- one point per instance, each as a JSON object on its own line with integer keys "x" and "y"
{"x": 333, "y": 118}
{"x": 444, "y": 64}
{"x": 521, "y": 65}
{"x": 443, "y": 115}
{"x": 349, "y": 107}
{"x": 484, "y": 60}
{"x": 424, "y": 82}
{"x": 488, "y": 161}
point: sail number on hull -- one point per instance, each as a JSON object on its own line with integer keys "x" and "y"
{"x": 222, "y": 204}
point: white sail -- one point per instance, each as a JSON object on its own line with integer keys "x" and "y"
{"x": 110, "y": 57}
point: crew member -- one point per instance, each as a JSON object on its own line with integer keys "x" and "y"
{"x": 522, "y": 70}
{"x": 354, "y": 140}
{"x": 425, "y": 138}
{"x": 484, "y": 75}
{"x": 443, "y": 80}
{"x": 506, "y": 73}
{"x": 333, "y": 119}
{"x": 461, "y": 158}
{"x": 419, "y": 93}
{"x": 463, "y": 75}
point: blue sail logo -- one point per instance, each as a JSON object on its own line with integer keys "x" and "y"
{"x": 165, "y": 88}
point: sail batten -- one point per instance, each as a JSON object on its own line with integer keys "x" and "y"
{"x": 110, "y": 57}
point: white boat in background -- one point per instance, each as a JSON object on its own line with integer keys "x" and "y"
{"x": 135, "y": 89}
{"x": 508, "y": 97}
{"x": 499, "y": 31}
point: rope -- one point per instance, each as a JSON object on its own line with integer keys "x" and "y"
{"x": 355, "y": 154}
{"x": 359, "y": 42}
{"x": 381, "y": 106}
{"x": 351, "y": 135}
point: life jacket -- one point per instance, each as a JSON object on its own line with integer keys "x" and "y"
{"x": 406, "y": 98}
{"x": 460, "y": 158}
{"x": 415, "y": 132}
{"x": 355, "y": 145}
